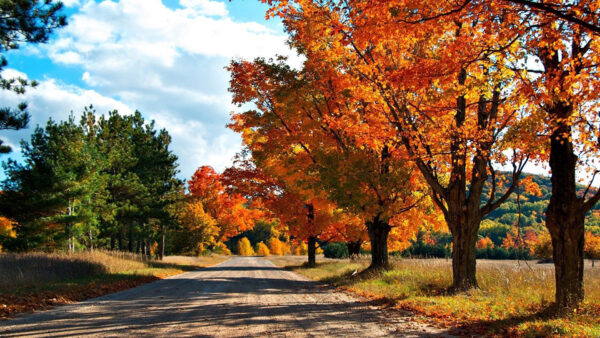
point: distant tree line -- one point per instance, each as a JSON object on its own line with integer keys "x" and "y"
{"x": 103, "y": 182}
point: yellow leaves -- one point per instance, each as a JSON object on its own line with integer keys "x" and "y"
{"x": 262, "y": 249}
{"x": 6, "y": 229}
{"x": 531, "y": 187}
{"x": 276, "y": 247}
{"x": 244, "y": 248}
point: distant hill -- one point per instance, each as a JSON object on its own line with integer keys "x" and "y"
{"x": 533, "y": 207}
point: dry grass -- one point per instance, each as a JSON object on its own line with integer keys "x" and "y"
{"x": 512, "y": 297}
{"x": 37, "y": 280}
{"x": 42, "y": 268}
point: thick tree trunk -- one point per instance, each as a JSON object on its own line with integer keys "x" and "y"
{"x": 464, "y": 222}
{"x": 354, "y": 249}
{"x": 565, "y": 219}
{"x": 464, "y": 264}
{"x": 312, "y": 251}
{"x": 378, "y": 234}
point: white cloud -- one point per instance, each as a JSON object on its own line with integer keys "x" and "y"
{"x": 52, "y": 99}
{"x": 166, "y": 62}
{"x": 71, "y": 3}
{"x": 206, "y": 7}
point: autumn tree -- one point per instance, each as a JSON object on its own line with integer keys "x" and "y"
{"x": 244, "y": 248}
{"x": 592, "y": 246}
{"x": 291, "y": 136}
{"x": 230, "y": 211}
{"x": 262, "y": 249}
{"x": 198, "y": 229}
{"x": 6, "y": 230}
{"x": 561, "y": 95}
{"x": 425, "y": 80}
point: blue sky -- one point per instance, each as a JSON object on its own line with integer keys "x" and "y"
{"x": 164, "y": 58}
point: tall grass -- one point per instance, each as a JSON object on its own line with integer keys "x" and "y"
{"x": 511, "y": 298}
{"x": 39, "y": 268}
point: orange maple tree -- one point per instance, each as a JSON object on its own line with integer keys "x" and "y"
{"x": 230, "y": 211}
{"x": 426, "y": 82}
{"x": 294, "y": 135}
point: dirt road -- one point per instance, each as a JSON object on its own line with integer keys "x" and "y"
{"x": 245, "y": 296}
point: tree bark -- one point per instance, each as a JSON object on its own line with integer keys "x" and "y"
{"x": 130, "y": 244}
{"x": 121, "y": 246}
{"x": 565, "y": 220}
{"x": 378, "y": 234}
{"x": 464, "y": 264}
{"x": 112, "y": 242}
{"x": 161, "y": 250}
{"x": 354, "y": 249}
{"x": 312, "y": 251}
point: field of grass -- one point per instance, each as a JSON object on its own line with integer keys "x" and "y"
{"x": 37, "y": 281}
{"x": 512, "y": 299}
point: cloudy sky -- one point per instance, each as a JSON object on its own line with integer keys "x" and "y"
{"x": 164, "y": 58}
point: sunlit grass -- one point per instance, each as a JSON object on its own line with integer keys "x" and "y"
{"x": 511, "y": 298}
{"x": 37, "y": 281}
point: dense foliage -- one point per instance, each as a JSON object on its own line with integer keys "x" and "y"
{"x": 103, "y": 182}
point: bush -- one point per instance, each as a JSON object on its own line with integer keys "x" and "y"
{"x": 335, "y": 250}
{"x": 244, "y": 248}
{"x": 276, "y": 246}
{"x": 262, "y": 249}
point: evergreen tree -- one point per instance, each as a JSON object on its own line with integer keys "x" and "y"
{"x": 23, "y": 21}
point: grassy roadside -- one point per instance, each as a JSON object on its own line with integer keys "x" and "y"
{"x": 511, "y": 301}
{"x": 40, "y": 281}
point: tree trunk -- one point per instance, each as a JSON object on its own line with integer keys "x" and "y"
{"x": 312, "y": 251}
{"x": 464, "y": 264}
{"x": 161, "y": 250}
{"x": 565, "y": 220}
{"x": 354, "y": 249}
{"x": 91, "y": 239}
{"x": 378, "y": 234}
{"x": 112, "y": 242}
{"x": 464, "y": 221}
{"x": 121, "y": 246}
{"x": 130, "y": 244}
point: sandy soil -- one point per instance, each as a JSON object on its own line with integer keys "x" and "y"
{"x": 244, "y": 296}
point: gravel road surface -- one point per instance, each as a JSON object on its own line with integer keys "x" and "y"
{"x": 244, "y": 296}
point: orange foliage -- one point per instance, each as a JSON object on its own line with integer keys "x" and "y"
{"x": 485, "y": 243}
{"x": 592, "y": 246}
{"x": 6, "y": 229}
{"x": 229, "y": 210}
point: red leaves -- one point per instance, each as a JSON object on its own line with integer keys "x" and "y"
{"x": 230, "y": 210}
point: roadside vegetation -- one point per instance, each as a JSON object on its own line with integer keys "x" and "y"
{"x": 36, "y": 281}
{"x": 513, "y": 296}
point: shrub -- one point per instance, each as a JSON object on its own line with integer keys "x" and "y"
{"x": 335, "y": 250}
{"x": 275, "y": 246}
{"x": 262, "y": 249}
{"x": 244, "y": 248}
